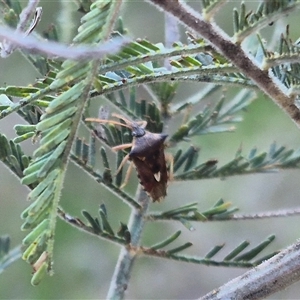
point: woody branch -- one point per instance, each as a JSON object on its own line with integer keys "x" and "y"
{"x": 222, "y": 42}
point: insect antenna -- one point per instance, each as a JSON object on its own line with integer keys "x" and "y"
{"x": 141, "y": 124}
{"x": 108, "y": 121}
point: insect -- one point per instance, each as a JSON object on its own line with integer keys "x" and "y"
{"x": 146, "y": 154}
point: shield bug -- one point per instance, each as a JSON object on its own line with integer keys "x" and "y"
{"x": 146, "y": 154}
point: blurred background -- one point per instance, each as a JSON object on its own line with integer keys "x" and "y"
{"x": 83, "y": 264}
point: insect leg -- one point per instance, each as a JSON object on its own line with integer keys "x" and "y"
{"x": 128, "y": 173}
{"x": 122, "y": 146}
{"x": 170, "y": 159}
{"x": 122, "y": 163}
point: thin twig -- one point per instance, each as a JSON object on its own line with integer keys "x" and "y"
{"x": 235, "y": 217}
{"x": 26, "y": 14}
{"x": 264, "y": 215}
{"x": 58, "y": 50}
{"x": 271, "y": 276}
{"x": 10, "y": 257}
{"x": 219, "y": 80}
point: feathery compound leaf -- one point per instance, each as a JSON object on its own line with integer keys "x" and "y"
{"x": 246, "y": 23}
{"x": 92, "y": 30}
{"x": 215, "y": 119}
{"x": 55, "y": 118}
{"x": 106, "y": 177}
{"x": 123, "y": 236}
{"x": 276, "y": 158}
{"x": 187, "y": 213}
{"x": 228, "y": 261}
{"x": 132, "y": 66}
{"x": 285, "y": 62}
{"x": 57, "y": 129}
{"x": 93, "y": 22}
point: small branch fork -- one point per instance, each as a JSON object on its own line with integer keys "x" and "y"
{"x": 120, "y": 279}
{"x": 222, "y": 42}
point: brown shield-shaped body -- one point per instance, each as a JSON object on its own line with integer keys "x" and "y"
{"x": 147, "y": 154}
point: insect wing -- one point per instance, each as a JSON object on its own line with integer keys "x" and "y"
{"x": 148, "y": 157}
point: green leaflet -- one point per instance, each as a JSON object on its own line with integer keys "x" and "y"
{"x": 32, "y": 236}
{"x": 56, "y": 128}
{"x": 53, "y": 132}
{"x": 54, "y": 120}
{"x": 36, "y": 165}
{"x": 52, "y": 159}
{"x": 40, "y": 204}
{"x": 69, "y": 75}
{"x": 49, "y": 145}
{"x": 39, "y": 274}
{"x": 43, "y": 184}
{"x": 24, "y": 137}
{"x": 65, "y": 98}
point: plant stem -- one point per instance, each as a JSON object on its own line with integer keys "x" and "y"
{"x": 127, "y": 256}
{"x": 269, "y": 277}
